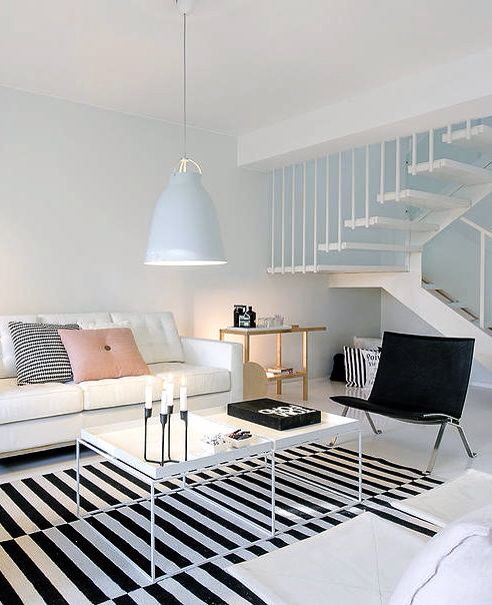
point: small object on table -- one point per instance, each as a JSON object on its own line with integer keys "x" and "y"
{"x": 238, "y": 311}
{"x": 274, "y": 414}
{"x": 246, "y": 319}
{"x": 239, "y": 438}
{"x": 216, "y": 441}
{"x": 279, "y": 371}
{"x": 252, "y": 317}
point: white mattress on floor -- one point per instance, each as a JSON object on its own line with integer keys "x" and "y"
{"x": 448, "y": 502}
{"x": 358, "y": 562}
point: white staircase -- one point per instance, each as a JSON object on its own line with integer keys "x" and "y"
{"x": 430, "y": 303}
{"x": 371, "y": 234}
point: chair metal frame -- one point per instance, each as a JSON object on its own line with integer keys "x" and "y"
{"x": 445, "y": 421}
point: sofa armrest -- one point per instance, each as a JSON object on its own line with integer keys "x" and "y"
{"x": 217, "y": 354}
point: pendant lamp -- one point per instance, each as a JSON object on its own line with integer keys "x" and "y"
{"x": 185, "y": 228}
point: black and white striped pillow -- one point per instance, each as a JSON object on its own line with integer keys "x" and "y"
{"x": 360, "y": 366}
{"x": 39, "y": 352}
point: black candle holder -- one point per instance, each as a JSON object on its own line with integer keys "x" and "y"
{"x": 147, "y": 415}
{"x": 165, "y": 420}
{"x": 184, "y": 418}
{"x": 169, "y": 409}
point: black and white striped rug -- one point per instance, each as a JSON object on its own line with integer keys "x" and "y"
{"x": 47, "y": 555}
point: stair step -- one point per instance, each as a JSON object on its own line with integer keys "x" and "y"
{"x": 458, "y": 172}
{"x": 425, "y": 199}
{"x": 470, "y": 315}
{"x": 372, "y": 247}
{"x": 384, "y": 222}
{"x": 480, "y": 138}
{"x": 339, "y": 269}
{"x": 455, "y": 304}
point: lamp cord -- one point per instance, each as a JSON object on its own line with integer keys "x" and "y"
{"x": 184, "y": 86}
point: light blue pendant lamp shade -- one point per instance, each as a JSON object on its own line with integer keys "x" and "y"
{"x": 185, "y": 227}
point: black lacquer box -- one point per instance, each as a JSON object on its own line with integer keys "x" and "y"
{"x": 274, "y": 414}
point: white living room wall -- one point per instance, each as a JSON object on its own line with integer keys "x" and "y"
{"x": 77, "y": 188}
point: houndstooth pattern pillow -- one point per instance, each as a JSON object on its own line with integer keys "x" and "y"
{"x": 39, "y": 352}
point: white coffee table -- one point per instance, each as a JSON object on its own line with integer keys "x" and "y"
{"x": 122, "y": 445}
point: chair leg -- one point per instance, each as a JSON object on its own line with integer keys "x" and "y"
{"x": 433, "y": 457}
{"x": 333, "y": 442}
{"x": 371, "y": 423}
{"x": 465, "y": 441}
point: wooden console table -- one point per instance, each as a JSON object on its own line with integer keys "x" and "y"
{"x": 302, "y": 373}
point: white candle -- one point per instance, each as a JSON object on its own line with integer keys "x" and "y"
{"x": 164, "y": 401}
{"x": 148, "y": 395}
{"x": 183, "y": 396}
{"x": 170, "y": 391}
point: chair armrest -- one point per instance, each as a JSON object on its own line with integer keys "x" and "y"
{"x": 217, "y": 354}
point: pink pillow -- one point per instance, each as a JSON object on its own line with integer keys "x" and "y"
{"x": 98, "y": 354}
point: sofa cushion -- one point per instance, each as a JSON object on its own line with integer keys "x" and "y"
{"x": 455, "y": 567}
{"x": 37, "y": 400}
{"x": 200, "y": 380}
{"x": 113, "y": 392}
{"x": 39, "y": 352}
{"x": 99, "y": 354}
{"x": 7, "y": 357}
{"x": 84, "y": 320}
{"x": 156, "y": 335}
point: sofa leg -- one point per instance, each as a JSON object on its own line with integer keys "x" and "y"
{"x": 372, "y": 425}
{"x": 468, "y": 449}
{"x": 433, "y": 457}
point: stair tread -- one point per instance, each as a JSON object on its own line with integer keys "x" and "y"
{"x": 384, "y": 222}
{"x": 339, "y": 269}
{"x": 480, "y": 137}
{"x": 459, "y": 172}
{"x": 425, "y": 199}
{"x": 369, "y": 246}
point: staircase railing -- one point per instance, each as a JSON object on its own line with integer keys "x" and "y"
{"x": 317, "y": 205}
{"x": 483, "y": 233}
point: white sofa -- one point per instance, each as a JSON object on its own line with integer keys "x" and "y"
{"x": 47, "y": 415}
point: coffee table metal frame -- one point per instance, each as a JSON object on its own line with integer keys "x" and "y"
{"x": 269, "y": 461}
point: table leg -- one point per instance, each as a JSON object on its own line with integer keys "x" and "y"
{"x": 279, "y": 362}
{"x": 305, "y": 366}
{"x": 360, "y": 466}
{"x": 152, "y": 532}
{"x": 77, "y": 494}
{"x": 246, "y": 348}
{"x": 273, "y": 524}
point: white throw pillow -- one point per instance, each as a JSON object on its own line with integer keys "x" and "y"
{"x": 363, "y": 342}
{"x": 454, "y": 568}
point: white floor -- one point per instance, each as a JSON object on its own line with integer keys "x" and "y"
{"x": 400, "y": 442}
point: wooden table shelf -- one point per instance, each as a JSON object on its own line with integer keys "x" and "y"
{"x": 302, "y": 374}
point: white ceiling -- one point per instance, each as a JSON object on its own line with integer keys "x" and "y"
{"x": 251, "y": 62}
